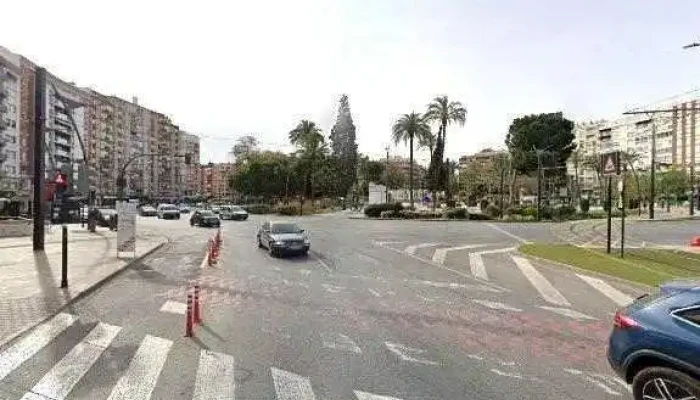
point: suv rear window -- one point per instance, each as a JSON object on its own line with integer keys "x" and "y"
{"x": 692, "y": 315}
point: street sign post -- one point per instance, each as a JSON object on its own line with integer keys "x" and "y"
{"x": 610, "y": 166}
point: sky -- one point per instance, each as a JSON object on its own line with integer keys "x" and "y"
{"x": 223, "y": 69}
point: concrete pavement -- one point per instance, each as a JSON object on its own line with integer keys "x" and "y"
{"x": 372, "y": 313}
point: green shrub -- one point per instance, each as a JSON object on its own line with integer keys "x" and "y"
{"x": 545, "y": 212}
{"x": 456, "y": 213}
{"x": 512, "y": 210}
{"x": 450, "y": 203}
{"x": 479, "y": 217}
{"x": 288, "y": 209}
{"x": 564, "y": 212}
{"x": 375, "y": 210}
{"x": 492, "y": 211}
{"x": 258, "y": 208}
{"x": 585, "y": 205}
{"x": 528, "y": 211}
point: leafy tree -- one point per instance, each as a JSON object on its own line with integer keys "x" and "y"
{"x": 408, "y": 128}
{"x": 245, "y": 145}
{"x": 395, "y": 178}
{"x": 444, "y": 112}
{"x": 266, "y": 174}
{"x": 311, "y": 148}
{"x": 550, "y": 135}
{"x": 372, "y": 171}
{"x": 673, "y": 183}
{"x": 344, "y": 146}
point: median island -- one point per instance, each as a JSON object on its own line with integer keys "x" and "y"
{"x": 646, "y": 266}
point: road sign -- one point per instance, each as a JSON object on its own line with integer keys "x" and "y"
{"x": 610, "y": 163}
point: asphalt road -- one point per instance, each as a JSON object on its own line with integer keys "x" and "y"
{"x": 379, "y": 310}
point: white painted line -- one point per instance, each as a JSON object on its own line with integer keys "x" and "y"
{"x": 174, "y": 307}
{"x": 440, "y": 254}
{"x": 496, "y": 306}
{"x": 614, "y": 380}
{"x": 323, "y": 264}
{"x": 505, "y": 232}
{"x": 140, "y": 378}
{"x": 475, "y": 357}
{"x": 290, "y": 386}
{"x": 61, "y": 379}
{"x": 26, "y": 347}
{"x": 506, "y": 374}
{"x": 476, "y": 263}
{"x": 215, "y": 377}
{"x": 340, "y": 342}
{"x": 374, "y": 293}
{"x": 546, "y": 290}
{"x": 568, "y": 313}
{"x": 404, "y": 353}
{"x": 414, "y": 248}
{"x": 370, "y": 396}
{"x": 607, "y": 389}
{"x": 613, "y": 294}
{"x": 332, "y": 289}
{"x": 454, "y": 285}
{"x": 204, "y": 262}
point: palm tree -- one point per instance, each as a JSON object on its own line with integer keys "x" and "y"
{"x": 311, "y": 148}
{"x": 445, "y": 112}
{"x": 407, "y": 129}
{"x": 428, "y": 140}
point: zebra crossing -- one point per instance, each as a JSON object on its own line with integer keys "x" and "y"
{"x": 214, "y": 378}
{"x": 477, "y": 259}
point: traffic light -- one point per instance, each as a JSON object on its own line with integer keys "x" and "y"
{"x": 61, "y": 181}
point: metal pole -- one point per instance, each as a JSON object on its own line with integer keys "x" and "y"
{"x": 691, "y": 200}
{"x": 609, "y": 213}
{"x": 652, "y": 184}
{"x": 624, "y": 207}
{"x": 38, "y": 178}
{"x": 64, "y": 256}
{"x": 503, "y": 172}
{"x": 387, "y": 175}
{"x": 539, "y": 186}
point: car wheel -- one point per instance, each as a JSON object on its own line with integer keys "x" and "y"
{"x": 272, "y": 251}
{"x": 260, "y": 246}
{"x": 664, "y": 383}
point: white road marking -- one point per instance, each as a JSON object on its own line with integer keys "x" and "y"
{"x": 476, "y": 262}
{"x": 453, "y": 285}
{"x": 140, "y": 378}
{"x": 506, "y": 374}
{"x": 370, "y": 396}
{"x": 404, "y": 351}
{"x": 415, "y": 247}
{"x": 475, "y": 357}
{"x": 496, "y": 306}
{"x": 332, "y": 289}
{"x": 174, "y": 307}
{"x": 613, "y": 294}
{"x": 592, "y": 380}
{"x": 384, "y": 243}
{"x": 546, "y": 290}
{"x": 440, "y": 254}
{"x": 204, "y": 262}
{"x": 613, "y": 380}
{"x": 215, "y": 377}
{"x": 290, "y": 386}
{"x": 61, "y": 379}
{"x": 339, "y": 342}
{"x": 374, "y": 293}
{"x": 323, "y": 263}
{"x": 568, "y": 313}
{"x": 505, "y": 232}
{"x": 26, "y": 347}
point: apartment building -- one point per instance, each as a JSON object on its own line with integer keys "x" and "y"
{"x": 192, "y": 173}
{"x": 106, "y": 131}
{"x": 484, "y": 159}
{"x": 215, "y": 181}
{"x": 677, "y": 145}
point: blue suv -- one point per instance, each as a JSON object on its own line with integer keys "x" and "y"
{"x": 655, "y": 343}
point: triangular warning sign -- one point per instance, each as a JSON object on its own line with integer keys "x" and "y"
{"x": 59, "y": 179}
{"x": 609, "y": 165}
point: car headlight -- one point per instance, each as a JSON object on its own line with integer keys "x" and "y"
{"x": 279, "y": 243}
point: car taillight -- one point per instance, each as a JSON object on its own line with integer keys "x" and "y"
{"x": 622, "y": 321}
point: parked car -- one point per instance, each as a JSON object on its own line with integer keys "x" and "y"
{"x": 215, "y": 209}
{"x": 105, "y": 217}
{"x": 655, "y": 343}
{"x": 281, "y": 238}
{"x": 168, "y": 211}
{"x": 204, "y": 218}
{"x": 147, "y": 211}
{"x": 235, "y": 213}
{"x": 184, "y": 210}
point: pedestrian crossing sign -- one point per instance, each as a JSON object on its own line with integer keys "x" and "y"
{"x": 610, "y": 163}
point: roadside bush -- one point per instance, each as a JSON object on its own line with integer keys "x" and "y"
{"x": 257, "y": 208}
{"x": 288, "y": 209}
{"x": 492, "y": 211}
{"x": 450, "y": 203}
{"x": 528, "y": 211}
{"x": 390, "y": 214}
{"x": 479, "y": 217}
{"x": 585, "y": 205}
{"x": 456, "y": 213}
{"x": 512, "y": 210}
{"x": 545, "y": 212}
{"x": 375, "y": 210}
{"x": 564, "y": 212}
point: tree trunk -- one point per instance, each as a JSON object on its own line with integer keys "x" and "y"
{"x": 410, "y": 171}
{"x": 511, "y": 196}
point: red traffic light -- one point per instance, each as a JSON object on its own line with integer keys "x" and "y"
{"x": 61, "y": 179}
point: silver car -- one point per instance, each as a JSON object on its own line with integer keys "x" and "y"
{"x": 280, "y": 237}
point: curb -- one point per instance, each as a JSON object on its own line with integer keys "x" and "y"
{"x": 87, "y": 291}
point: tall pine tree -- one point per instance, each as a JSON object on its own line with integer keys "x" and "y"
{"x": 344, "y": 146}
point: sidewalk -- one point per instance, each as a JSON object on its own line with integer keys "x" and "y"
{"x": 30, "y": 291}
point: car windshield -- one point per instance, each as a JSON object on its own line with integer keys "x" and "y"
{"x": 285, "y": 228}
{"x": 207, "y": 213}
{"x": 236, "y": 208}
{"x": 169, "y": 208}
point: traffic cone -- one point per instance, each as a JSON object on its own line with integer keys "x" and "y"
{"x": 188, "y": 316}
{"x": 197, "y": 314}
